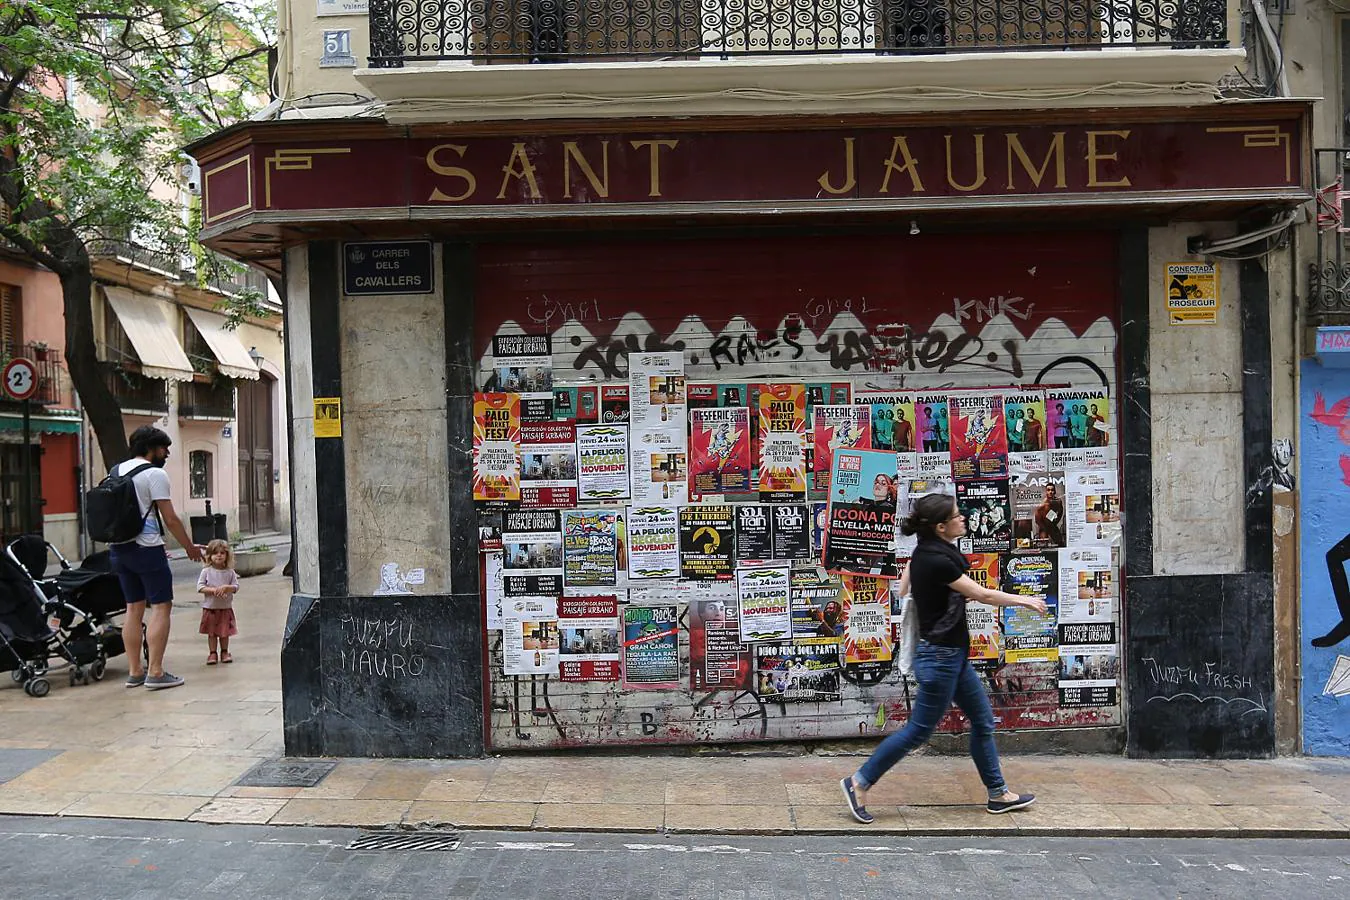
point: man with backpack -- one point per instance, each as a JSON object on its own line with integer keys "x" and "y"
{"x": 130, "y": 511}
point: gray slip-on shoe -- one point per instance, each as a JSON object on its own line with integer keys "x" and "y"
{"x": 162, "y": 682}
{"x": 136, "y": 680}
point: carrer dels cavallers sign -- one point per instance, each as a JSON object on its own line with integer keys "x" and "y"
{"x": 1009, "y": 162}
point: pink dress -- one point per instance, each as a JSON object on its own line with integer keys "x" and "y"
{"x": 217, "y": 612}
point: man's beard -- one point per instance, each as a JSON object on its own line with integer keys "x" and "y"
{"x": 159, "y": 463}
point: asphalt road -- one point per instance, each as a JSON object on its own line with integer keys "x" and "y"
{"x": 133, "y": 860}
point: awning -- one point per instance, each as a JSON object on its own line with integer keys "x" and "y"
{"x": 225, "y": 344}
{"x": 10, "y": 422}
{"x": 152, "y": 334}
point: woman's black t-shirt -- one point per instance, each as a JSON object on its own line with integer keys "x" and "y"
{"x": 942, "y": 611}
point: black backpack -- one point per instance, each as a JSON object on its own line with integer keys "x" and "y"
{"x": 112, "y": 510}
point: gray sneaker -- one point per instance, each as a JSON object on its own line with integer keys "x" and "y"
{"x": 136, "y": 680}
{"x": 162, "y": 682}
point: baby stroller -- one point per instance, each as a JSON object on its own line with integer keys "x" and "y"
{"x": 78, "y": 603}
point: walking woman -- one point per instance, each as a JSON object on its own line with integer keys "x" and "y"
{"x": 941, "y": 588}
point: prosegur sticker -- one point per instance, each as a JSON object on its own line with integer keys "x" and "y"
{"x": 1192, "y": 293}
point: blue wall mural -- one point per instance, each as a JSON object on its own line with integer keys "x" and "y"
{"x": 1324, "y": 480}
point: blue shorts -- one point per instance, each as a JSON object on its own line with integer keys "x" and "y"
{"x": 144, "y": 573}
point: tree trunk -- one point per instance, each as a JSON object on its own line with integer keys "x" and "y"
{"x": 102, "y": 408}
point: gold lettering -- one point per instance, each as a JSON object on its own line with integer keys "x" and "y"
{"x": 1094, "y": 156}
{"x": 526, "y": 171}
{"x": 1055, "y": 154}
{"x": 571, "y": 152}
{"x": 979, "y": 165}
{"x": 900, "y": 146}
{"x": 654, "y": 166}
{"x": 850, "y": 175}
{"x": 470, "y": 183}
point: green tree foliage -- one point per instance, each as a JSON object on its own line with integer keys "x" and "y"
{"x": 96, "y": 97}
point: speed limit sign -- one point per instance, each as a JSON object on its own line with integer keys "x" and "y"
{"x": 20, "y": 378}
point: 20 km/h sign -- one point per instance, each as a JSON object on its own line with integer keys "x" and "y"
{"x": 20, "y": 378}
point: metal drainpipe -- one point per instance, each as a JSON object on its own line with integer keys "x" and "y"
{"x": 81, "y": 469}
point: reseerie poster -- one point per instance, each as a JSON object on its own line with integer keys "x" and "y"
{"x": 979, "y": 439}
{"x": 834, "y": 428}
{"x": 719, "y": 451}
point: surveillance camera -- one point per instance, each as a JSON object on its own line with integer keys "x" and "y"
{"x": 913, "y": 227}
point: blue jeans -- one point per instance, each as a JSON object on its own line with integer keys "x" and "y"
{"x": 944, "y": 674}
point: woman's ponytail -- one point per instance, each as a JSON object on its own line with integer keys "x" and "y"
{"x": 928, "y": 513}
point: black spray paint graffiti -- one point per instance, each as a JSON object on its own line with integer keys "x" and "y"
{"x": 893, "y": 348}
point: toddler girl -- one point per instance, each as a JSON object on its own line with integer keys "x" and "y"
{"x": 217, "y": 585}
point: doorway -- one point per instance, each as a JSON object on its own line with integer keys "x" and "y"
{"x": 11, "y": 490}
{"x": 257, "y": 511}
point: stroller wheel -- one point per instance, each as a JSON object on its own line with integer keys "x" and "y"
{"x": 17, "y": 675}
{"x": 77, "y": 677}
{"x": 98, "y": 668}
{"x": 38, "y": 687}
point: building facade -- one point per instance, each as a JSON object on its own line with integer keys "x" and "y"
{"x": 173, "y": 361}
{"x": 31, "y": 326}
{"x": 527, "y": 269}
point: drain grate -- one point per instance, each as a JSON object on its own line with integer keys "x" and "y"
{"x": 281, "y": 773}
{"x": 407, "y": 840}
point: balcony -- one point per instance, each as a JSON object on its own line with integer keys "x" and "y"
{"x": 213, "y": 400}
{"x": 559, "y": 31}
{"x": 49, "y": 368}
{"x": 134, "y": 392}
{"x": 224, "y": 276}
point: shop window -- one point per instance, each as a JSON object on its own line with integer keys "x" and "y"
{"x": 199, "y": 474}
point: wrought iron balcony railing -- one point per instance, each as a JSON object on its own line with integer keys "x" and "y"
{"x": 206, "y": 400}
{"x": 49, "y": 370}
{"x": 135, "y": 392}
{"x": 551, "y": 31}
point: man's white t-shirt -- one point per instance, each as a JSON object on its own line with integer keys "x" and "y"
{"x": 151, "y": 484}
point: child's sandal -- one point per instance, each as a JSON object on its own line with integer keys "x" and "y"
{"x": 212, "y": 659}
{"x": 226, "y": 657}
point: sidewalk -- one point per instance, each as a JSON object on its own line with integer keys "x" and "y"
{"x": 102, "y": 750}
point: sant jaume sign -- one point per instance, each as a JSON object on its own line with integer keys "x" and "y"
{"x": 1199, "y": 155}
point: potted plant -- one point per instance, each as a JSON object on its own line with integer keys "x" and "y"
{"x": 39, "y": 349}
{"x": 258, "y": 559}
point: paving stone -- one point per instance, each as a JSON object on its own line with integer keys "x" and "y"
{"x": 473, "y": 814}
{"x": 599, "y": 817}
{"x": 729, "y": 819}
{"x": 1263, "y": 821}
{"x": 238, "y": 810}
{"x": 135, "y": 806}
{"x": 329, "y": 811}
{"x": 1080, "y": 819}
{"x": 1176, "y": 820}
